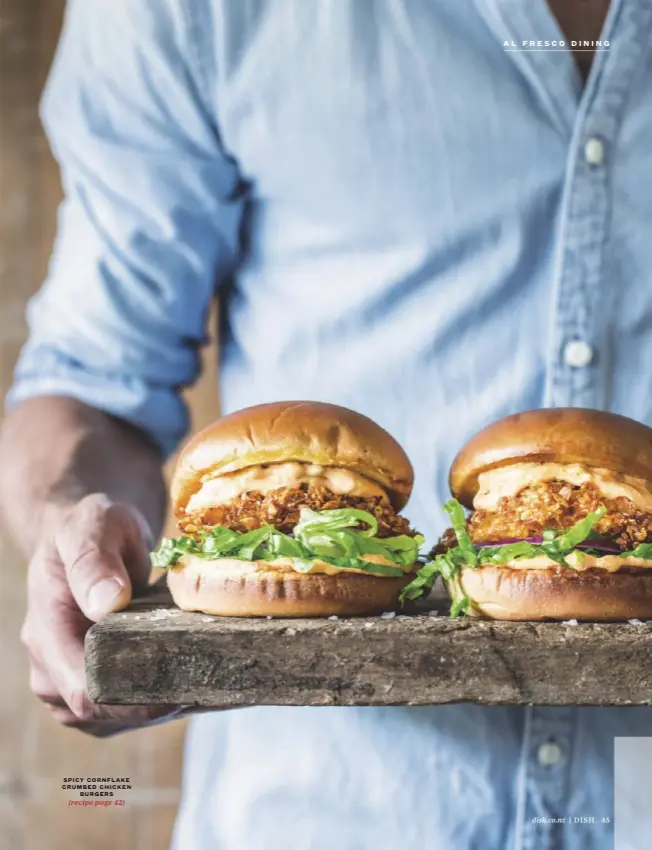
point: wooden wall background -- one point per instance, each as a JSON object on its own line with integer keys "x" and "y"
{"x": 35, "y": 754}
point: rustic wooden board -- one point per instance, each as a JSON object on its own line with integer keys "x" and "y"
{"x": 155, "y": 653}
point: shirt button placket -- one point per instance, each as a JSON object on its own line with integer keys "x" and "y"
{"x": 575, "y": 360}
{"x": 548, "y": 747}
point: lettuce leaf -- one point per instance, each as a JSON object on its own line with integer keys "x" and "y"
{"x": 555, "y": 545}
{"x": 578, "y": 533}
{"x": 460, "y": 602}
{"x": 343, "y": 538}
{"x": 458, "y": 520}
{"x": 336, "y": 520}
{"x": 422, "y": 582}
{"x": 504, "y": 554}
{"x": 643, "y": 550}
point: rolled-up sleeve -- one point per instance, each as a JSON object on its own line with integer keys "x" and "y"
{"x": 150, "y": 221}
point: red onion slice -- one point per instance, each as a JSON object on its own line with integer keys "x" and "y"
{"x": 608, "y": 546}
{"x": 509, "y": 540}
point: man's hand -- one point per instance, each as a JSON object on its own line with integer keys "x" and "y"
{"x": 90, "y": 558}
{"x": 83, "y": 495}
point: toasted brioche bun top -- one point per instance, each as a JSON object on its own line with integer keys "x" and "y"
{"x": 304, "y": 431}
{"x": 593, "y": 438}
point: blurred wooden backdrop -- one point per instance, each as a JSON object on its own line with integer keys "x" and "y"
{"x": 35, "y": 754}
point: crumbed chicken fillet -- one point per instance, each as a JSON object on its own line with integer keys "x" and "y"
{"x": 557, "y": 505}
{"x": 281, "y": 507}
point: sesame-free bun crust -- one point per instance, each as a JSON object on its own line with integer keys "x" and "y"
{"x": 558, "y": 594}
{"x": 564, "y": 435}
{"x": 232, "y": 588}
{"x": 304, "y": 431}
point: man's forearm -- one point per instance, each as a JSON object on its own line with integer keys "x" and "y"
{"x": 56, "y": 450}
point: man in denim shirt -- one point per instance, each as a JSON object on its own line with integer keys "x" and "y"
{"x": 408, "y": 207}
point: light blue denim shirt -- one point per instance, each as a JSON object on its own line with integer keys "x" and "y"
{"x": 405, "y": 218}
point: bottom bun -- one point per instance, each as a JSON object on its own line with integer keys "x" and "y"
{"x": 558, "y": 594}
{"x": 231, "y": 588}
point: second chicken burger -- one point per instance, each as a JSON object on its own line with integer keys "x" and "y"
{"x": 560, "y": 523}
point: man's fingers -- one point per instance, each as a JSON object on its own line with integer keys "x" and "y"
{"x": 97, "y": 720}
{"x": 63, "y": 658}
{"x": 102, "y": 721}
{"x": 91, "y": 545}
{"x": 41, "y": 684}
{"x": 99, "y": 582}
{"x": 63, "y": 654}
{"x": 138, "y": 544}
{"x": 100, "y": 728}
{"x": 126, "y": 716}
{"x": 54, "y": 628}
{"x": 86, "y": 569}
{"x": 104, "y": 549}
{"x": 94, "y": 719}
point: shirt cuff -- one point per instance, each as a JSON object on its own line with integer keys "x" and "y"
{"x": 158, "y": 410}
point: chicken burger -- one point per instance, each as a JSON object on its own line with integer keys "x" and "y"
{"x": 560, "y": 523}
{"x": 290, "y": 509}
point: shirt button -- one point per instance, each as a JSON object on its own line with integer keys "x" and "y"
{"x": 594, "y": 151}
{"x": 549, "y": 753}
{"x": 578, "y": 353}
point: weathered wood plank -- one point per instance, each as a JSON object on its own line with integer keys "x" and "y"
{"x": 156, "y": 654}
